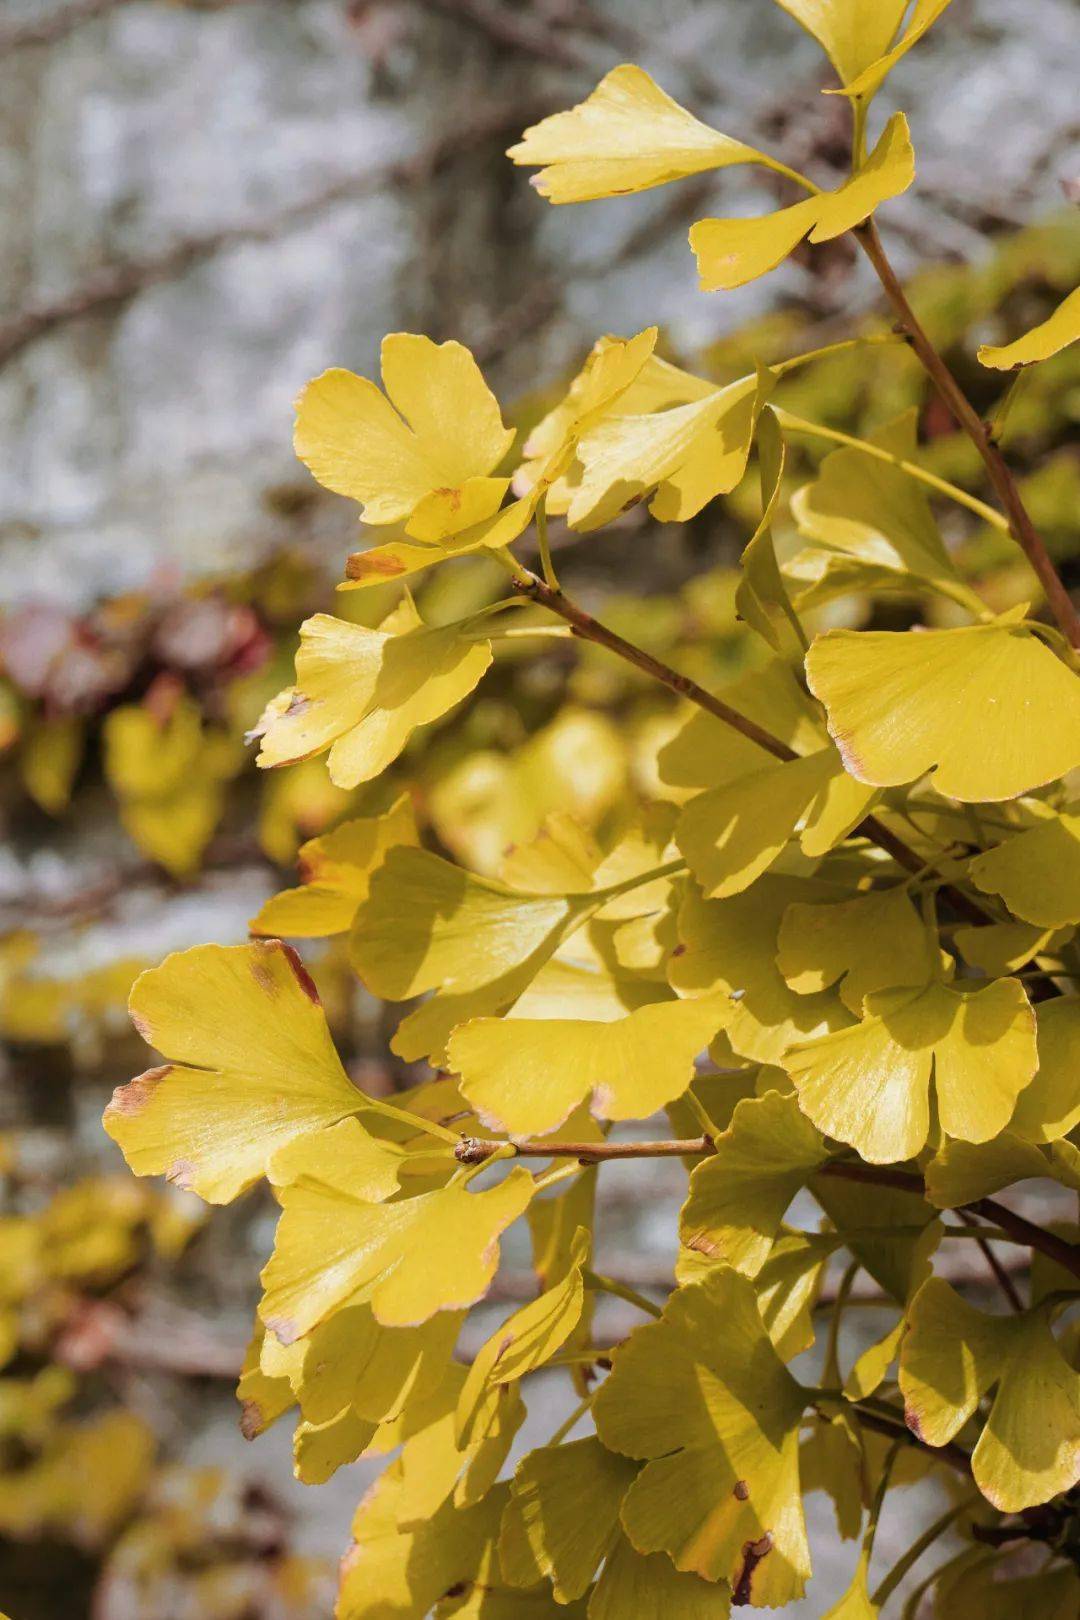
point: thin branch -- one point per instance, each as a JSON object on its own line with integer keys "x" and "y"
{"x": 513, "y": 31}
{"x": 473, "y": 1150}
{"x": 1001, "y": 1276}
{"x": 896, "y": 1429}
{"x": 1021, "y": 527}
{"x": 535, "y": 589}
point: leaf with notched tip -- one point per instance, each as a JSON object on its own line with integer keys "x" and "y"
{"x": 702, "y": 1398}
{"x": 408, "y": 1257}
{"x": 336, "y": 869}
{"x": 953, "y": 1355}
{"x": 251, "y": 1067}
{"x": 627, "y": 136}
{"x": 738, "y": 1195}
{"x": 869, "y": 1085}
{"x": 527, "y": 1075}
{"x": 987, "y": 708}
{"x": 1036, "y": 872}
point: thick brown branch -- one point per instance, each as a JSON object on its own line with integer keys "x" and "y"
{"x": 967, "y": 417}
{"x": 950, "y": 1453}
{"x": 476, "y": 1150}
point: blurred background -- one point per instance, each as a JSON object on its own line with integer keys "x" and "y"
{"x": 201, "y": 205}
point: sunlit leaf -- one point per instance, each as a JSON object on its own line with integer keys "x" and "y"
{"x": 731, "y": 252}
{"x": 428, "y": 925}
{"x": 703, "y": 1399}
{"x": 730, "y": 946}
{"x": 1048, "y": 338}
{"x": 870, "y": 1085}
{"x": 761, "y": 597}
{"x": 734, "y": 833}
{"x": 876, "y": 941}
{"x": 336, "y": 870}
{"x": 739, "y": 1194}
{"x": 627, "y": 136}
{"x": 525, "y": 1341}
{"x": 682, "y": 457}
{"x": 852, "y": 33}
{"x": 437, "y": 432}
{"x": 250, "y": 1067}
{"x": 525, "y": 1075}
{"x": 1050, "y": 1107}
{"x": 361, "y": 693}
{"x": 408, "y": 1258}
{"x": 1036, "y": 872}
{"x": 988, "y": 708}
{"x": 953, "y": 1355}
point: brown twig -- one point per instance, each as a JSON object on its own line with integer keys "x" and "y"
{"x": 477, "y": 1150}
{"x": 1001, "y": 1276}
{"x": 1021, "y": 527}
{"x": 531, "y": 586}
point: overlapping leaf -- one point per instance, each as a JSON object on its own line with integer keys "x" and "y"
{"x": 526, "y": 1075}
{"x": 869, "y": 1085}
{"x": 409, "y": 1257}
{"x": 361, "y": 693}
{"x": 251, "y": 1066}
{"x": 988, "y": 709}
{"x": 1036, "y": 872}
{"x": 702, "y": 1398}
{"x": 336, "y": 869}
{"x": 953, "y": 1355}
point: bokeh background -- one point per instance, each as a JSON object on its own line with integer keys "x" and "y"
{"x": 201, "y": 205}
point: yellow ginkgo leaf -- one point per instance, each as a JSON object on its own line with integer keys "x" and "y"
{"x": 1048, "y": 338}
{"x": 361, "y": 693}
{"x": 683, "y": 456}
{"x": 428, "y": 925}
{"x": 398, "y": 559}
{"x": 870, "y": 1085}
{"x": 562, "y": 1523}
{"x": 731, "y": 252}
{"x": 1036, "y": 872}
{"x": 997, "y": 949}
{"x": 739, "y": 1194}
{"x": 869, "y": 80}
{"x": 977, "y": 1583}
{"x": 263, "y": 1396}
{"x": 617, "y": 373}
{"x": 351, "y": 1360}
{"x": 401, "y": 1574}
{"x": 436, "y": 432}
{"x": 859, "y": 507}
{"x": 251, "y": 1066}
{"x": 732, "y": 834}
{"x": 761, "y": 597}
{"x": 706, "y": 753}
{"x": 169, "y": 773}
{"x": 526, "y": 1075}
{"x": 407, "y": 1258}
{"x": 1049, "y": 1108}
{"x": 336, "y": 869}
{"x": 627, "y": 136}
{"x": 562, "y": 1518}
{"x": 875, "y": 942}
{"x": 852, "y": 33}
{"x": 963, "y": 1172}
{"x": 953, "y": 1355}
{"x": 988, "y": 707}
{"x": 320, "y": 1449}
{"x": 702, "y": 1398}
{"x": 730, "y": 946}
{"x": 525, "y": 1341}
